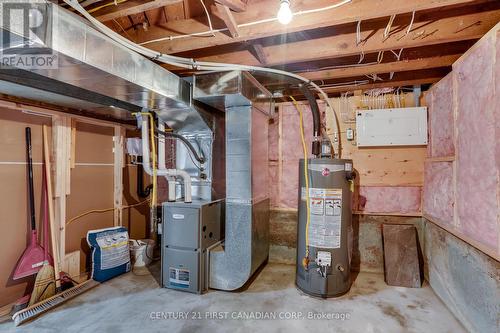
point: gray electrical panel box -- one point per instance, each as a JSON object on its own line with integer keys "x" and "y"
{"x": 188, "y": 230}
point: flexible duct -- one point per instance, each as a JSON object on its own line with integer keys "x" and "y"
{"x": 162, "y": 172}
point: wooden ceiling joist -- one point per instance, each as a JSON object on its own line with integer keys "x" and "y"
{"x": 266, "y": 9}
{"x": 130, "y": 7}
{"x": 235, "y": 5}
{"x": 426, "y": 32}
{"x": 395, "y": 66}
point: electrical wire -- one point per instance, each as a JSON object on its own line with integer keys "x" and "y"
{"x": 208, "y": 18}
{"x": 103, "y": 211}
{"x": 387, "y": 30}
{"x": 243, "y": 25}
{"x": 305, "y": 260}
{"x": 190, "y": 63}
{"x": 411, "y": 23}
{"x": 189, "y": 145}
{"x": 114, "y": 3}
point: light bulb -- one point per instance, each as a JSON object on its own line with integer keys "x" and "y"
{"x": 285, "y": 14}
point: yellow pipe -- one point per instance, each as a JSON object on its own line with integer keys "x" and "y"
{"x": 305, "y": 260}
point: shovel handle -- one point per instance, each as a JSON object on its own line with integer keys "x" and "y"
{"x": 29, "y": 159}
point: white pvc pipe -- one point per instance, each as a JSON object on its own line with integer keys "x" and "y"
{"x": 146, "y": 164}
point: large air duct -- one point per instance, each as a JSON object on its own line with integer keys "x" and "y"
{"x": 106, "y": 77}
{"x": 247, "y": 107}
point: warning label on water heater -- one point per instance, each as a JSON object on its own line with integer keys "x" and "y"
{"x": 325, "y": 225}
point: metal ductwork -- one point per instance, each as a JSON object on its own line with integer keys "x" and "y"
{"x": 247, "y": 108}
{"x": 224, "y": 115}
{"x": 91, "y": 68}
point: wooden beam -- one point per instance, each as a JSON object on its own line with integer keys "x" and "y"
{"x": 266, "y": 9}
{"x": 131, "y": 7}
{"x": 227, "y": 16}
{"x": 235, "y": 5}
{"x": 395, "y": 66}
{"x": 118, "y": 164}
{"x": 258, "y": 52}
{"x": 428, "y": 30}
{"x": 384, "y": 84}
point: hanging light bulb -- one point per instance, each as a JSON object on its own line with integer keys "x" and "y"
{"x": 285, "y": 14}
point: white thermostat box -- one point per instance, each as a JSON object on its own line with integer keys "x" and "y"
{"x": 392, "y": 127}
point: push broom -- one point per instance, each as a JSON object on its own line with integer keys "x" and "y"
{"x": 37, "y": 309}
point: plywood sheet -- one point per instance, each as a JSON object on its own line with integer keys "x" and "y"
{"x": 397, "y": 199}
{"x": 438, "y": 192}
{"x": 477, "y": 170}
{"x": 441, "y": 122}
{"x": 94, "y": 144}
{"x": 14, "y": 223}
{"x": 91, "y": 188}
{"x": 135, "y": 219}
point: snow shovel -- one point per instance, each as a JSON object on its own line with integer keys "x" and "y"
{"x": 33, "y": 257}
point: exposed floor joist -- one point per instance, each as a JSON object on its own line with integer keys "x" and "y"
{"x": 235, "y": 5}
{"x": 429, "y": 29}
{"x": 259, "y": 10}
{"x": 130, "y": 7}
{"x": 395, "y": 66}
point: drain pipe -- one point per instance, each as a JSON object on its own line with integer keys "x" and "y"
{"x": 146, "y": 164}
{"x": 161, "y": 161}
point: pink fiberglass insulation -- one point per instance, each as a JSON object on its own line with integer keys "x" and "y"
{"x": 497, "y": 114}
{"x": 441, "y": 121}
{"x": 289, "y": 185}
{"x": 273, "y": 138}
{"x": 260, "y": 156}
{"x": 273, "y": 184}
{"x": 477, "y": 172}
{"x": 395, "y": 199}
{"x": 291, "y": 143}
{"x": 438, "y": 191}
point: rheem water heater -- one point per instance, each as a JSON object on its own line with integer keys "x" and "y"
{"x": 324, "y": 228}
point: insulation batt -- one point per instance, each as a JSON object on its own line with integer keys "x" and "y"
{"x": 477, "y": 145}
{"x": 438, "y": 191}
{"x": 441, "y": 119}
{"x": 397, "y": 199}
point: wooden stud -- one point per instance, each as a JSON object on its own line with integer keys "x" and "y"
{"x": 131, "y": 7}
{"x": 118, "y": 150}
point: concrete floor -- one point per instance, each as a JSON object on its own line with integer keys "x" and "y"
{"x": 132, "y": 303}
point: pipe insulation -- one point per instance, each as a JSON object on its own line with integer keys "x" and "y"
{"x": 146, "y": 164}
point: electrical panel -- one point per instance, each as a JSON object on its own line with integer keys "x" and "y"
{"x": 392, "y": 127}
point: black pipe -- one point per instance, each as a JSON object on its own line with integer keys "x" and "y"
{"x": 186, "y": 142}
{"x": 316, "y": 145}
{"x": 29, "y": 160}
{"x": 141, "y": 191}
